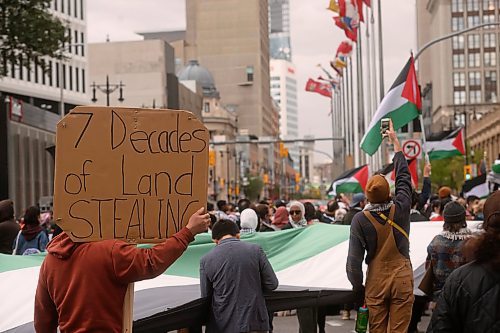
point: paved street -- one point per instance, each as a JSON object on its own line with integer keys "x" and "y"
{"x": 333, "y": 324}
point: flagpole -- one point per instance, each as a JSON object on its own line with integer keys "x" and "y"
{"x": 361, "y": 98}
{"x": 380, "y": 51}
{"x": 347, "y": 109}
{"x": 342, "y": 122}
{"x": 350, "y": 114}
{"x": 368, "y": 109}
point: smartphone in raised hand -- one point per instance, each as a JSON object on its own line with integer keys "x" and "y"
{"x": 384, "y": 126}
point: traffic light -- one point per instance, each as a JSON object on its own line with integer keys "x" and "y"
{"x": 283, "y": 151}
{"x": 211, "y": 158}
{"x": 467, "y": 172}
{"x": 297, "y": 178}
{"x": 265, "y": 178}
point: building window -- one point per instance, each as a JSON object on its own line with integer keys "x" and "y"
{"x": 69, "y": 7}
{"x": 55, "y": 4}
{"x": 49, "y": 73}
{"x": 249, "y": 72}
{"x": 457, "y": 6}
{"x": 21, "y": 69}
{"x": 64, "y": 76}
{"x": 489, "y": 40}
{"x": 459, "y": 97}
{"x": 475, "y": 96}
{"x": 76, "y": 42}
{"x": 474, "y": 79}
{"x": 473, "y": 41}
{"x": 70, "y": 77}
{"x": 458, "y": 42}
{"x": 489, "y": 18}
{"x": 474, "y": 60}
{"x": 77, "y": 79}
{"x": 57, "y": 75}
{"x": 488, "y": 5}
{"x": 490, "y": 86}
{"x": 83, "y": 80}
{"x": 472, "y": 21}
{"x": 75, "y": 7}
{"x": 458, "y": 79}
{"x": 82, "y": 41}
{"x": 458, "y": 61}
{"x": 490, "y": 59}
{"x": 35, "y": 69}
{"x": 457, "y": 23}
{"x": 81, "y": 9}
{"x": 62, "y": 6}
{"x": 472, "y": 5}
{"x": 206, "y": 107}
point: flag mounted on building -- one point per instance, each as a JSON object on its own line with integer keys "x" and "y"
{"x": 452, "y": 145}
{"x": 351, "y": 181}
{"x": 324, "y": 89}
{"x": 390, "y": 174}
{"x": 476, "y": 186}
{"x": 402, "y": 104}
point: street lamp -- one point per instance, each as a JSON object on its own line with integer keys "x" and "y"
{"x": 108, "y": 89}
{"x": 62, "y": 77}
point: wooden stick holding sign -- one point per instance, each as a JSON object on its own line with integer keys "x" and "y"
{"x": 129, "y": 174}
{"x": 128, "y": 309}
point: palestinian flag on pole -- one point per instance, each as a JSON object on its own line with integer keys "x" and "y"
{"x": 390, "y": 174}
{"x": 451, "y": 145}
{"x": 401, "y": 103}
{"x": 476, "y": 186}
{"x": 351, "y": 181}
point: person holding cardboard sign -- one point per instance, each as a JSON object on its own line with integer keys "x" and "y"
{"x": 81, "y": 286}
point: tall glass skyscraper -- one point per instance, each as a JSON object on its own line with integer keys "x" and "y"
{"x": 279, "y": 30}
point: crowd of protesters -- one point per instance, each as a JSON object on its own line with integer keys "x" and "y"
{"x": 379, "y": 223}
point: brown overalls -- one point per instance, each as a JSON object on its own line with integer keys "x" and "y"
{"x": 389, "y": 283}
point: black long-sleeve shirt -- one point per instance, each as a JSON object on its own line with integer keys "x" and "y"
{"x": 363, "y": 234}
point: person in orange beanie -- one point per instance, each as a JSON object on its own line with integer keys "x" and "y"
{"x": 382, "y": 231}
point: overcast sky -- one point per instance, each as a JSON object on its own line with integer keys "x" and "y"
{"x": 314, "y": 40}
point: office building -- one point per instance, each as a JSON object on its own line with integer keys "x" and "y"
{"x": 231, "y": 39}
{"x": 146, "y": 68}
{"x": 459, "y": 77}
{"x": 279, "y": 30}
{"x": 30, "y": 106}
{"x": 284, "y": 93}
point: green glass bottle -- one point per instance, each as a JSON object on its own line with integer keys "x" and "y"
{"x": 362, "y": 320}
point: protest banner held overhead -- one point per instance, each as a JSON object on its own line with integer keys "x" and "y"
{"x": 129, "y": 173}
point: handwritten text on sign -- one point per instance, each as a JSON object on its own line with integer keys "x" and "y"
{"x": 131, "y": 174}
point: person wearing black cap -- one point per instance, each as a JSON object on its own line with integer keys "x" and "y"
{"x": 8, "y": 226}
{"x": 444, "y": 253}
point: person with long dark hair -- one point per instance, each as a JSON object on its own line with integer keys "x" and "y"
{"x": 32, "y": 238}
{"x": 470, "y": 298}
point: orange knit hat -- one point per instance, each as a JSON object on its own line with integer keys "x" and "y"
{"x": 377, "y": 189}
{"x": 444, "y": 192}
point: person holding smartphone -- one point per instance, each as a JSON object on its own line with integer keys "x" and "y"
{"x": 382, "y": 232}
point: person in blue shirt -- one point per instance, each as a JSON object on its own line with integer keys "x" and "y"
{"x": 32, "y": 238}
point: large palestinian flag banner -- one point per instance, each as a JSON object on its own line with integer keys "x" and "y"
{"x": 351, "y": 181}
{"x": 401, "y": 103}
{"x": 310, "y": 263}
{"x": 451, "y": 145}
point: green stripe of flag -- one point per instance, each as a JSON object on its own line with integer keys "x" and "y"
{"x": 441, "y": 154}
{"x": 283, "y": 248}
{"x": 400, "y": 117}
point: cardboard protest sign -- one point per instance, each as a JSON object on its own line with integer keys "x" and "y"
{"x": 130, "y": 174}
